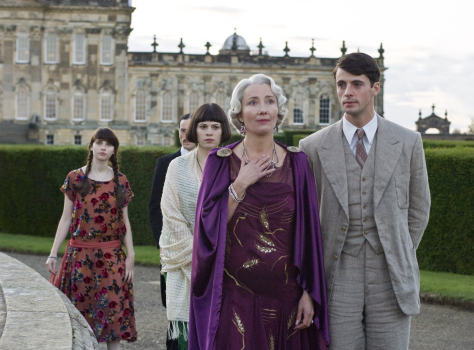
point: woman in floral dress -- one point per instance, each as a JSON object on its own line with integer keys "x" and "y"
{"x": 95, "y": 273}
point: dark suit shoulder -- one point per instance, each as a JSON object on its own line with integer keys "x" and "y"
{"x": 167, "y": 158}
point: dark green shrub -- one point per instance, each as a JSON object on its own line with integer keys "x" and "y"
{"x": 448, "y": 242}
{"x": 289, "y": 141}
{"x": 30, "y": 178}
{"x": 446, "y": 144}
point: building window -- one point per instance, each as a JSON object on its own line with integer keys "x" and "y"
{"x": 50, "y": 104}
{"x": 167, "y": 108}
{"x": 324, "y": 109}
{"x": 140, "y": 106}
{"x": 298, "y": 112}
{"x": 23, "y": 48}
{"x": 106, "y": 50}
{"x": 220, "y": 100}
{"x": 77, "y": 139}
{"x": 78, "y": 106}
{"x": 51, "y": 49}
{"x": 22, "y": 103}
{"x": 193, "y": 101}
{"x": 106, "y": 107}
{"x": 140, "y": 140}
{"x": 79, "y": 51}
{"x": 50, "y": 139}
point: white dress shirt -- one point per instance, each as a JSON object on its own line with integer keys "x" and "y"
{"x": 184, "y": 151}
{"x": 350, "y": 132}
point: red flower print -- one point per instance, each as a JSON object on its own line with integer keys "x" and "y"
{"x": 77, "y": 204}
{"x": 78, "y": 265}
{"x": 103, "y": 228}
{"x": 126, "y": 335}
{"x": 127, "y": 184}
{"x": 94, "y": 201}
{"x": 103, "y": 291}
{"x": 99, "y": 219}
{"x": 112, "y": 304}
{"x": 120, "y": 271}
{"x": 99, "y": 264}
{"x": 97, "y": 296}
{"x": 104, "y": 273}
{"x": 83, "y": 233}
{"x": 108, "y": 255}
{"x": 104, "y": 196}
{"x": 120, "y": 320}
{"x": 80, "y": 297}
{"x": 126, "y": 312}
{"x": 100, "y": 314}
{"x": 126, "y": 294}
{"x": 74, "y": 287}
{"x": 104, "y": 323}
{"x": 87, "y": 280}
{"x": 114, "y": 211}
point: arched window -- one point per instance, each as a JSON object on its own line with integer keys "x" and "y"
{"x": 167, "y": 108}
{"x": 50, "y": 104}
{"x": 324, "y": 109}
{"x": 51, "y": 48}
{"x": 298, "y": 111}
{"x": 78, "y": 105}
{"x": 22, "y": 103}
{"x": 193, "y": 101}
{"x": 106, "y": 106}
{"x": 140, "y": 106}
{"x": 106, "y": 50}
{"x": 220, "y": 100}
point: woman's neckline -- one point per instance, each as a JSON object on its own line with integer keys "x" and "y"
{"x": 277, "y": 167}
{"x": 96, "y": 180}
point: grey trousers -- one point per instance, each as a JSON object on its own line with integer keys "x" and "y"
{"x": 363, "y": 310}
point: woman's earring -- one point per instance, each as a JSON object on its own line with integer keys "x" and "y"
{"x": 242, "y": 128}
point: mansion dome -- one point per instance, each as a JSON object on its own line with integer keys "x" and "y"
{"x": 234, "y": 43}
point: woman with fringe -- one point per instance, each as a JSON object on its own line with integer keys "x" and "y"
{"x": 95, "y": 273}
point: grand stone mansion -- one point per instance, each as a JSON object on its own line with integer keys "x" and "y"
{"x": 65, "y": 70}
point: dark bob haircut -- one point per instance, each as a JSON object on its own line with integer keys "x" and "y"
{"x": 359, "y": 63}
{"x": 208, "y": 112}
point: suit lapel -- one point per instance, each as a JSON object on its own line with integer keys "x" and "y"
{"x": 387, "y": 153}
{"x": 331, "y": 154}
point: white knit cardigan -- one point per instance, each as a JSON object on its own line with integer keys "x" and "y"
{"x": 178, "y": 205}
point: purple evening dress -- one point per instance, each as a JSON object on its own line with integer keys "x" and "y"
{"x": 260, "y": 293}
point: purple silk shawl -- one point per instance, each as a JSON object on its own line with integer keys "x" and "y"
{"x": 209, "y": 247}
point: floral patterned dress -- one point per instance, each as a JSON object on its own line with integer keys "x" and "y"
{"x": 93, "y": 278}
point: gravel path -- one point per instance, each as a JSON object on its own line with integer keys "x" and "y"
{"x": 435, "y": 328}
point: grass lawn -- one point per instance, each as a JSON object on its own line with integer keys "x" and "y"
{"x": 441, "y": 283}
{"x": 144, "y": 255}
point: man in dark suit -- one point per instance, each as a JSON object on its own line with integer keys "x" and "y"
{"x": 161, "y": 167}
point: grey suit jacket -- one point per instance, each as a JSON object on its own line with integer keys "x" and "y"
{"x": 401, "y": 201}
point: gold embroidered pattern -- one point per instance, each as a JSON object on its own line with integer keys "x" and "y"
{"x": 240, "y": 327}
{"x": 235, "y": 227}
{"x": 264, "y": 219}
{"x": 291, "y": 322}
{"x": 250, "y": 263}
{"x": 271, "y": 343}
{"x": 237, "y": 282}
{"x": 266, "y": 240}
{"x": 268, "y": 314}
{"x": 263, "y": 249}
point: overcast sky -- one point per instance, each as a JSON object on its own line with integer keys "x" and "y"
{"x": 429, "y": 48}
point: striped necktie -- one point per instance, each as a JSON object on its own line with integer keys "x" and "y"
{"x": 361, "y": 154}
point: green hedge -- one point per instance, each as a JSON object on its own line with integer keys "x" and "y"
{"x": 448, "y": 242}
{"x": 30, "y": 178}
{"x": 446, "y": 144}
{"x": 31, "y": 203}
{"x": 234, "y": 138}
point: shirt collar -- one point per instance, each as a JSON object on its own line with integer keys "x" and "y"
{"x": 184, "y": 151}
{"x": 370, "y": 128}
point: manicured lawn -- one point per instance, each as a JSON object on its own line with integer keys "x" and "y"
{"x": 441, "y": 283}
{"x": 448, "y": 284}
{"x": 144, "y": 255}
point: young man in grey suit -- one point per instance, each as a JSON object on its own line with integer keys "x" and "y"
{"x": 154, "y": 210}
{"x": 374, "y": 207}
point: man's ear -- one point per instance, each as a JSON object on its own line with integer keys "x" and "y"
{"x": 376, "y": 88}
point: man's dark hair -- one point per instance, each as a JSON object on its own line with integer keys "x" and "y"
{"x": 359, "y": 63}
{"x": 208, "y": 112}
{"x": 184, "y": 117}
